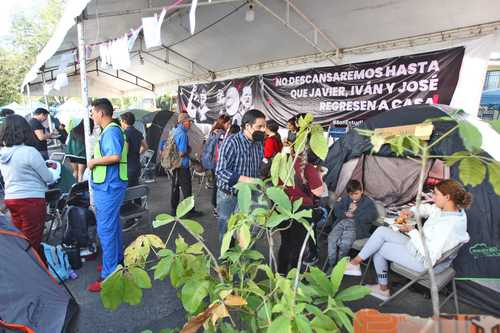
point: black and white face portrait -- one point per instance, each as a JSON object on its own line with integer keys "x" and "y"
{"x": 220, "y": 97}
{"x": 232, "y": 101}
{"x": 246, "y": 98}
{"x": 203, "y": 96}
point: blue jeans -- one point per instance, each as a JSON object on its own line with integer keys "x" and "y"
{"x": 342, "y": 236}
{"x": 226, "y": 206}
{"x": 386, "y": 245}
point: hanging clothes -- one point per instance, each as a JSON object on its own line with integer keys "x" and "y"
{"x": 152, "y": 29}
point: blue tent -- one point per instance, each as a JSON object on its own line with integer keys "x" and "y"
{"x": 490, "y": 97}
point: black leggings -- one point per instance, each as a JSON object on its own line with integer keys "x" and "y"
{"x": 291, "y": 243}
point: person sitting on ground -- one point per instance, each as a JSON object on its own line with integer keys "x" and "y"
{"x": 354, "y": 214}
{"x": 75, "y": 149}
{"x": 445, "y": 228}
{"x": 136, "y": 147}
{"x": 26, "y": 177}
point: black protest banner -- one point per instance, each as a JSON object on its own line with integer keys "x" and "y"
{"x": 205, "y": 102}
{"x": 353, "y": 92}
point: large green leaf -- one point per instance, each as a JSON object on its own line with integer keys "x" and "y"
{"x": 455, "y": 157}
{"x": 163, "y": 268}
{"x": 495, "y": 124}
{"x": 185, "y": 206}
{"x": 276, "y": 219}
{"x": 297, "y": 204}
{"x": 352, "y": 293}
{"x": 471, "y": 171}
{"x": 176, "y": 272}
{"x": 140, "y": 277}
{"x": 345, "y": 321}
{"x": 244, "y": 197}
{"x": 281, "y": 324}
{"x": 338, "y": 273}
{"x": 494, "y": 176}
{"x": 397, "y": 145}
{"x": 132, "y": 293}
{"x": 276, "y": 166}
{"x": 287, "y": 172}
{"x": 193, "y": 293}
{"x": 323, "y": 323}
{"x": 162, "y": 219}
{"x": 301, "y": 141}
{"x": 303, "y": 324}
{"x": 196, "y": 248}
{"x": 318, "y": 278}
{"x": 226, "y": 242}
{"x": 112, "y": 290}
{"x": 279, "y": 197}
{"x": 305, "y": 120}
{"x": 244, "y": 236}
{"x": 192, "y": 226}
{"x": 377, "y": 142}
{"x": 319, "y": 143}
{"x": 180, "y": 245}
{"x": 471, "y": 137}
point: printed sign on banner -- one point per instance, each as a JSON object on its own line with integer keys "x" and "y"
{"x": 342, "y": 95}
{"x": 205, "y": 102}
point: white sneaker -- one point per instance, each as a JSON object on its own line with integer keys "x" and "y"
{"x": 379, "y": 293}
{"x": 352, "y": 270}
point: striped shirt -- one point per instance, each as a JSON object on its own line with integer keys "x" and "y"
{"x": 238, "y": 156}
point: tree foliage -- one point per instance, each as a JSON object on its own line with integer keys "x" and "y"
{"x": 29, "y": 34}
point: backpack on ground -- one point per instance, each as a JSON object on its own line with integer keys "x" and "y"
{"x": 58, "y": 262}
{"x": 77, "y": 222}
{"x": 208, "y": 154}
{"x": 170, "y": 157}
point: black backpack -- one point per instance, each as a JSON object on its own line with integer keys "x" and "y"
{"x": 78, "y": 220}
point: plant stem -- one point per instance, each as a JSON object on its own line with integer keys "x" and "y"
{"x": 272, "y": 259}
{"x": 299, "y": 264}
{"x": 442, "y": 138}
{"x": 428, "y": 261}
{"x": 207, "y": 250}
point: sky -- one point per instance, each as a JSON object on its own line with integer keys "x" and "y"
{"x": 9, "y": 8}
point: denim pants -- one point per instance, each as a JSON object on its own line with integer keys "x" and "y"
{"x": 342, "y": 236}
{"x": 387, "y": 245}
{"x": 226, "y": 206}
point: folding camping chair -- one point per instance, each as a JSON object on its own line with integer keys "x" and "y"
{"x": 132, "y": 209}
{"x": 53, "y": 220}
{"x": 443, "y": 271}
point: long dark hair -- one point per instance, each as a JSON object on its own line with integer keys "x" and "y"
{"x": 15, "y": 130}
{"x": 78, "y": 132}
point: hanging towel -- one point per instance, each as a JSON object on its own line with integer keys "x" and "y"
{"x": 152, "y": 29}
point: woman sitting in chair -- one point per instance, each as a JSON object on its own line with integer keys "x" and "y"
{"x": 445, "y": 228}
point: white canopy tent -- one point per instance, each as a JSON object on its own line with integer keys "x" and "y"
{"x": 284, "y": 35}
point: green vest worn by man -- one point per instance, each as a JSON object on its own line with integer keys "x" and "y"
{"x": 99, "y": 172}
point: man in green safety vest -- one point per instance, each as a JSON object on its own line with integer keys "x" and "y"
{"x": 109, "y": 182}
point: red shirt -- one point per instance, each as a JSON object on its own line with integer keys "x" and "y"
{"x": 302, "y": 188}
{"x": 272, "y": 146}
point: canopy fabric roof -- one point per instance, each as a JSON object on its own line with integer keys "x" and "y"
{"x": 314, "y": 29}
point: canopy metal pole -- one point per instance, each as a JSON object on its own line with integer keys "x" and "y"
{"x": 85, "y": 93}
{"x": 46, "y": 100}
{"x": 29, "y": 100}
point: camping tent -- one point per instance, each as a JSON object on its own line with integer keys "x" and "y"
{"x": 70, "y": 113}
{"x": 155, "y": 130}
{"x": 392, "y": 180}
{"x": 29, "y": 295}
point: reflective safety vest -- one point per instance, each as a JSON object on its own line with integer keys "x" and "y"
{"x": 99, "y": 172}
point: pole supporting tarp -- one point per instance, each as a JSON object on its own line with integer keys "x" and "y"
{"x": 85, "y": 93}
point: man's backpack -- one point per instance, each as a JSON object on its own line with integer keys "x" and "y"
{"x": 57, "y": 261}
{"x": 208, "y": 154}
{"x": 170, "y": 157}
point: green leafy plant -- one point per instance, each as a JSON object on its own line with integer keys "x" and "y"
{"x": 472, "y": 165}
{"x": 239, "y": 291}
